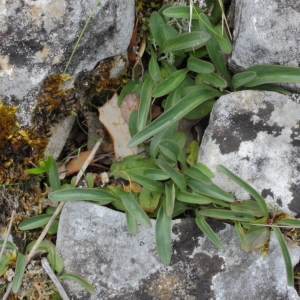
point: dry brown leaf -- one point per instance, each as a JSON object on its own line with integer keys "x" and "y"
{"x": 75, "y": 164}
{"x": 130, "y": 103}
{"x": 111, "y": 118}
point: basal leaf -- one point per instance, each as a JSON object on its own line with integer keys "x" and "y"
{"x": 19, "y": 272}
{"x": 170, "y": 198}
{"x": 156, "y": 22}
{"x": 223, "y": 39}
{"x": 288, "y": 222}
{"x": 205, "y": 169}
{"x": 199, "y": 66}
{"x": 53, "y": 177}
{"x": 130, "y": 87}
{"x": 248, "y": 206}
{"x": 131, "y": 223}
{"x": 194, "y": 172}
{"x": 34, "y": 222}
{"x": 154, "y": 69}
{"x": 241, "y": 79}
{"x": 135, "y": 210}
{"x": 241, "y": 235}
{"x": 163, "y": 235}
{"x": 172, "y": 115}
{"x": 182, "y": 12}
{"x": 80, "y": 280}
{"x": 192, "y": 198}
{"x": 156, "y": 174}
{"x": 145, "y": 181}
{"x": 256, "y": 237}
{"x": 227, "y": 215}
{"x": 148, "y": 200}
{"x": 185, "y": 41}
{"x": 215, "y": 79}
{"x": 192, "y": 151}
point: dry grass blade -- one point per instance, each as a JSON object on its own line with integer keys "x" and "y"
{"x": 7, "y": 233}
{"x": 224, "y": 20}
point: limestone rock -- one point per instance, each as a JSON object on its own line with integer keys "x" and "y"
{"x": 95, "y": 243}
{"x": 266, "y": 32}
{"x": 256, "y": 135}
{"x": 37, "y": 38}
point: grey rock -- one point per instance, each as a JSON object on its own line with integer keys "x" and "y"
{"x": 266, "y": 32}
{"x": 256, "y": 135}
{"x": 95, "y": 243}
{"x": 37, "y": 38}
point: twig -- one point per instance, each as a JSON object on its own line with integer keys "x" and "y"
{"x": 7, "y": 233}
{"x": 54, "y": 279}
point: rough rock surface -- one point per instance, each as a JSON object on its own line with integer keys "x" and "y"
{"x": 266, "y": 32}
{"x": 95, "y": 243}
{"x": 257, "y": 136}
{"x": 37, "y": 38}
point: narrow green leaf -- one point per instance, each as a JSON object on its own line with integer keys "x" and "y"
{"x": 4, "y": 263}
{"x": 53, "y": 177}
{"x": 34, "y": 222}
{"x": 182, "y": 12}
{"x": 205, "y": 169}
{"x": 192, "y": 198}
{"x": 155, "y": 142}
{"x": 256, "y": 237}
{"x": 135, "y": 210}
{"x": 172, "y": 115}
{"x": 227, "y": 215}
{"x": 77, "y": 194}
{"x": 90, "y": 180}
{"x": 80, "y": 280}
{"x": 271, "y": 87}
{"x": 223, "y": 39}
{"x": 185, "y": 41}
{"x": 59, "y": 264}
{"x": 36, "y": 171}
{"x": 260, "y": 200}
{"x": 286, "y": 257}
{"x": 215, "y": 79}
{"x": 19, "y": 272}
{"x": 145, "y": 104}
{"x": 170, "y": 198}
{"x": 174, "y": 174}
{"x": 199, "y": 66}
{"x": 288, "y": 222}
{"x": 146, "y": 182}
{"x": 156, "y": 22}
{"x": 241, "y": 79}
{"x": 249, "y": 206}
{"x": 241, "y": 235}
{"x": 206, "y": 229}
{"x": 154, "y": 69}
{"x": 194, "y": 172}
{"x": 163, "y": 235}
{"x": 214, "y": 49}
{"x": 133, "y": 121}
{"x": 131, "y": 223}
{"x": 201, "y": 110}
{"x": 167, "y": 69}
{"x": 179, "y": 208}
{"x": 209, "y": 190}
{"x": 273, "y": 74}
{"x": 9, "y": 245}
{"x": 192, "y": 151}
{"x": 169, "y": 31}
{"x": 54, "y": 227}
{"x": 130, "y": 87}
{"x": 170, "y": 83}
{"x": 169, "y": 149}
{"x": 156, "y": 174}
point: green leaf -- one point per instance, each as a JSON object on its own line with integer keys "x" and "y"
{"x": 36, "y": 171}
{"x": 288, "y": 222}
{"x": 145, "y": 103}
{"x": 4, "y": 263}
{"x": 241, "y": 79}
{"x": 205, "y": 169}
{"x": 169, "y": 31}
{"x": 133, "y": 121}
{"x": 273, "y": 74}
{"x": 59, "y": 264}
{"x": 249, "y": 206}
{"x": 286, "y": 257}
{"x": 172, "y": 115}
{"x": 260, "y": 200}
{"x": 192, "y": 151}
{"x": 199, "y": 66}
{"x": 214, "y": 49}
{"x": 167, "y": 69}
{"x": 206, "y": 229}
{"x": 19, "y": 272}
{"x": 169, "y": 149}
{"x": 179, "y": 208}
{"x": 182, "y": 12}
{"x": 194, "y": 172}
{"x": 174, "y": 174}
{"x": 130, "y": 87}
{"x": 209, "y": 190}
{"x": 54, "y": 227}
{"x": 9, "y": 245}
{"x": 215, "y": 79}
{"x": 53, "y": 177}
{"x": 201, "y": 110}
{"x": 135, "y": 210}
{"x": 241, "y": 235}
{"x": 156, "y": 22}
{"x": 90, "y": 180}
{"x": 170, "y": 83}
{"x": 222, "y": 214}
{"x": 156, "y": 174}
{"x": 271, "y": 87}
{"x": 223, "y": 39}
{"x": 131, "y": 223}
{"x": 34, "y": 222}
{"x": 80, "y": 280}
{"x": 170, "y": 198}
{"x": 77, "y": 194}
{"x": 256, "y": 237}
{"x": 134, "y": 163}
{"x": 163, "y": 235}
{"x": 145, "y": 181}
{"x": 185, "y": 41}
{"x": 192, "y": 198}
{"x": 149, "y": 200}
{"x": 154, "y": 69}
